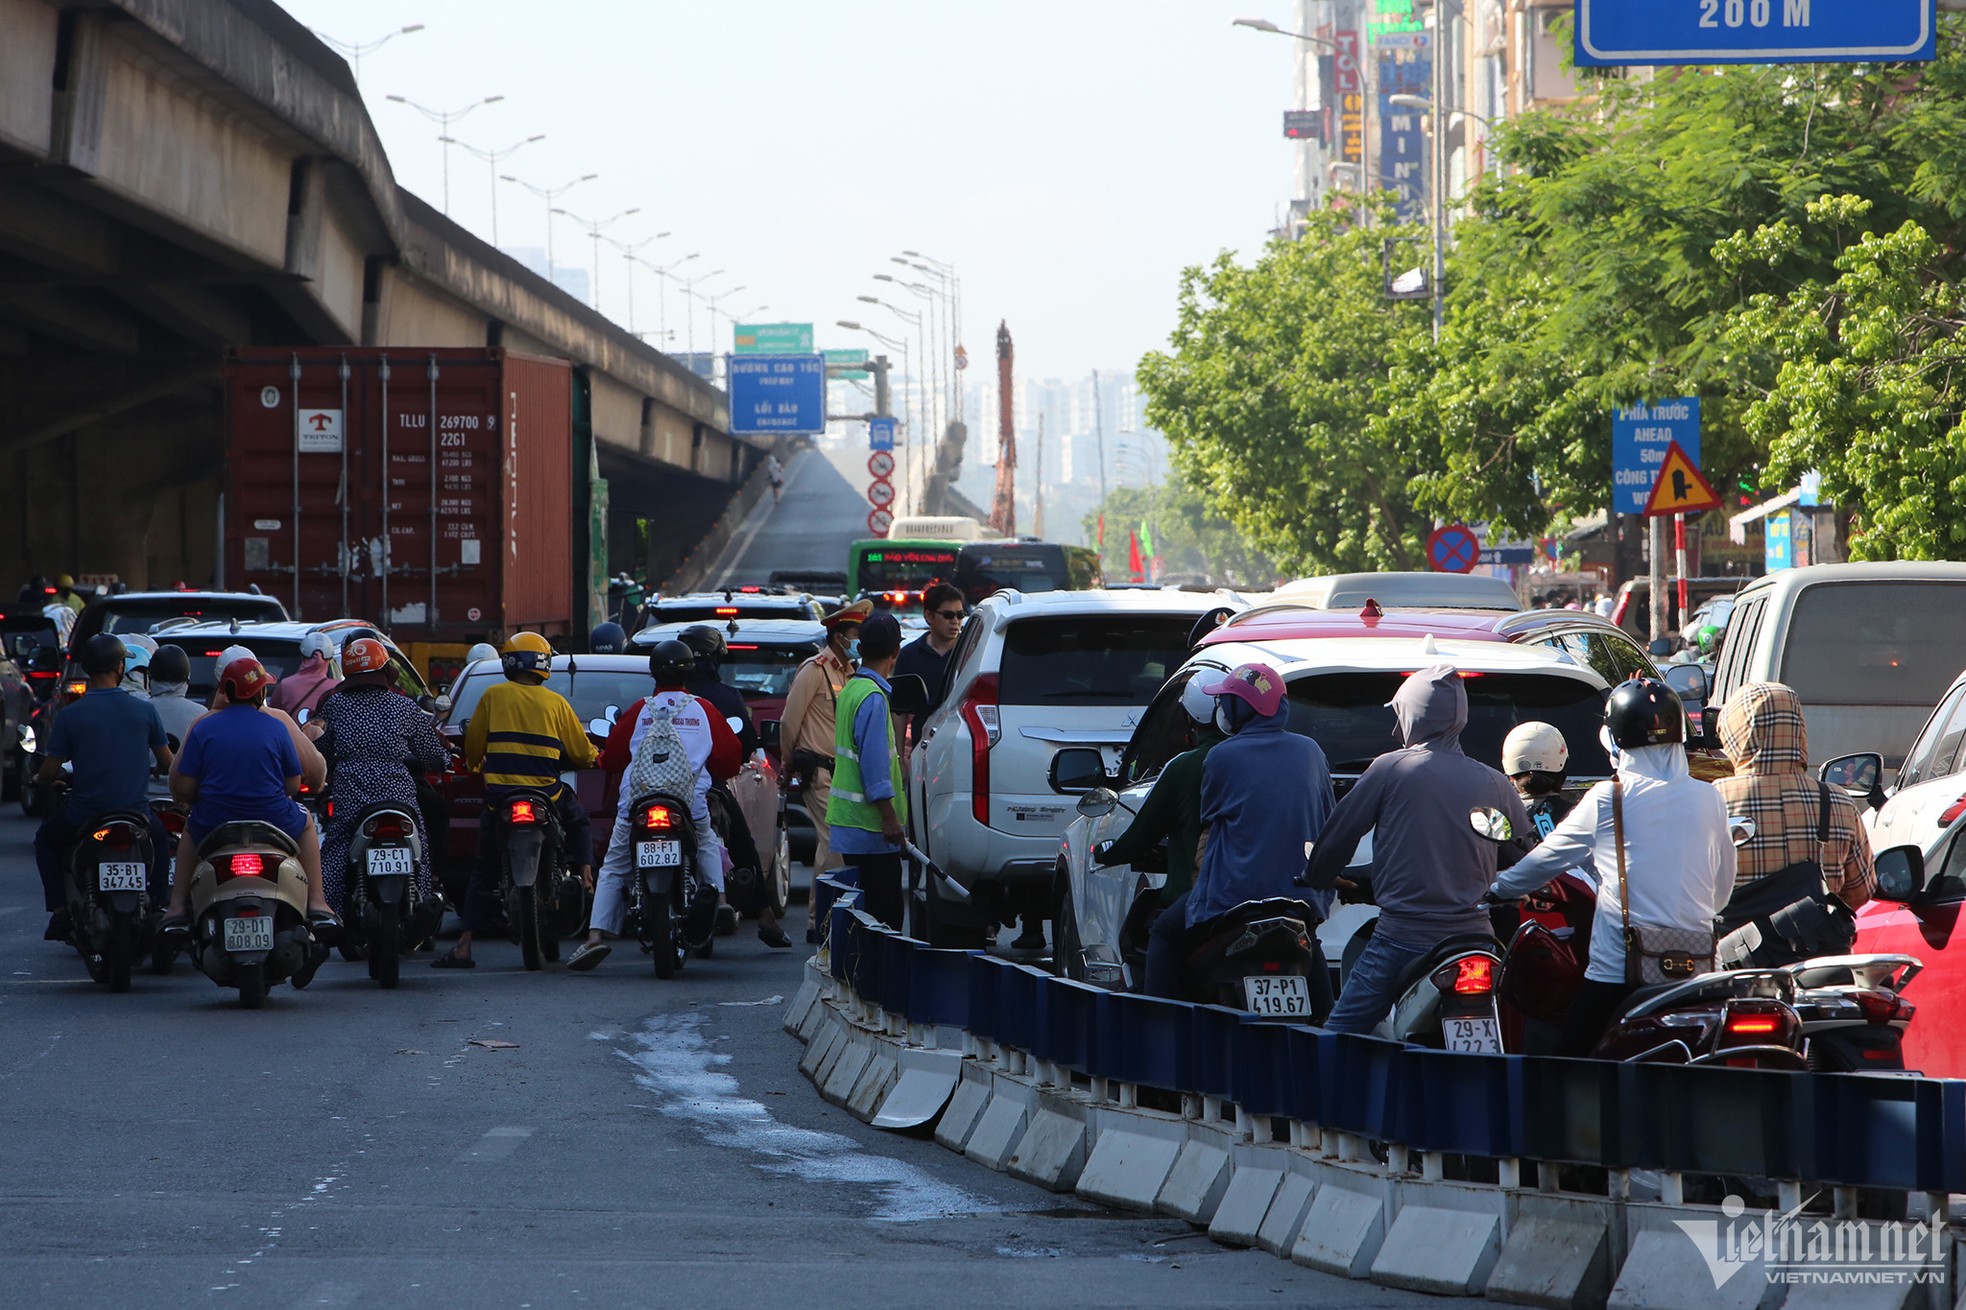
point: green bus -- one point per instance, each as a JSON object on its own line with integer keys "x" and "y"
{"x": 899, "y": 571}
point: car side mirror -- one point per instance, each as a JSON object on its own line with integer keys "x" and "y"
{"x": 1098, "y": 803}
{"x": 1688, "y": 681}
{"x": 1860, "y": 775}
{"x": 1077, "y": 769}
{"x": 1659, "y": 647}
{"x": 1209, "y": 622}
{"x": 770, "y": 733}
{"x": 908, "y": 694}
{"x": 1900, "y": 873}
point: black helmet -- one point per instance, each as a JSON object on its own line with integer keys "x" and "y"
{"x": 102, "y": 653}
{"x": 1644, "y": 712}
{"x": 170, "y": 665}
{"x": 671, "y": 662}
{"x": 708, "y": 643}
{"x": 606, "y": 639}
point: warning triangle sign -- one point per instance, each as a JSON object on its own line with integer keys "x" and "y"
{"x": 1680, "y": 488}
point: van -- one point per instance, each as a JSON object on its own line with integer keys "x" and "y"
{"x": 984, "y": 568}
{"x": 1633, "y": 609}
{"x": 1869, "y": 648}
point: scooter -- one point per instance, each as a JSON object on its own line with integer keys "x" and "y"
{"x": 111, "y": 919}
{"x": 1262, "y": 956}
{"x": 1853, "y": 1012}
{"x": 524, "y": 830}
{"x": 249, "y": 912}
{"x": 382, "y": 901}
{"x": 672, "y": 911}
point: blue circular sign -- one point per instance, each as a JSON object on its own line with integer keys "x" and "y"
{"x": 1453, "y": 549}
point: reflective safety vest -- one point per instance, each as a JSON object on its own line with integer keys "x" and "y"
{"x": 849, "y": 807}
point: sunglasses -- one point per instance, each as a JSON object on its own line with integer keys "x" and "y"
{"x": 954, "y": 616}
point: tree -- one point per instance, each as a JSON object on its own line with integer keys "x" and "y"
{"x": 1189, "y": 537}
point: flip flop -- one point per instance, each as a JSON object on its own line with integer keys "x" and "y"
{"x": 775, "y": 938}
{"x": 589, "y": 955}
{"x": 452, "y": 960}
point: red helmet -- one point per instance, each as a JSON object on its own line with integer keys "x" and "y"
{"x": 364, "y": 655}
{"x": 1258, "y": 684}
{"x": 245, "y": 678}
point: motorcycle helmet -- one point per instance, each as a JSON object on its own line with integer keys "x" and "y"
{"x": 170, "y": 666}
{"x": 1534, "y": 748}
{"x": 364, "y": 655}
{"x": 1248, "y": 691}
{"x": 1644, "y": 712}
{"x": 671, "y": 663}
{"x": 245, "y": 680}
{"x": 317, "y": 643}
{"x": 1708, "y": 638}
{"x": 709, "y": 645}
{"x": 607, "y": 639}
{"x": 484, "y": 650}
{"x": 527, "y": 652}
{"x": 102, "y": 653}
{"x": 1198, "y": 703}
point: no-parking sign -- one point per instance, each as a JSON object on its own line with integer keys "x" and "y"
{"x": 1453, "y": 549}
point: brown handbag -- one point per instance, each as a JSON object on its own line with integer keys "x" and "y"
{"x": 1658, "y": 955}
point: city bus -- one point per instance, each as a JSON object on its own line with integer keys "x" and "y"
{"x": 983, "y": 567}
{"x": 896, "y": 572}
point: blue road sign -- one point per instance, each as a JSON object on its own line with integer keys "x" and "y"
{"x": 771, "y": 394}
{"x": 1639, "y": 437}
{"x": 1453, "y": 549}
{"x": 880, "y": 434}
{"x": 1778, "y": 538}
{"x": 1405, "y": 68}
{"x": 1615, "y": 32}
{"x": 1512, "y": 554}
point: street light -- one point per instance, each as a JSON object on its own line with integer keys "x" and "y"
{"x": 444, "y": 118}
{"x": 689, "y": 302}
{"x": 628, "y": 249}
{"x": 594, "y": 230}
{"x": 548, "y": 194}
{"x": 354, "y": 50}
{"x": 713, "y": 302}
{"x": 1436, "y": 187}
{"x": 492, "y": 157}
{"x": 662, "y": 292}
{"x": 1265, "y": 25}
{"x": 901, "y": 347}
{"x": 952, "y": 301}
{"x": 939, "y": 381}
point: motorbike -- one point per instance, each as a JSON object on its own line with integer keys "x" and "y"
{"x": 382, "y": 904}
{"x": 249, "y": 912}
{"x": 1262, "y": 956}
{"x": 672, "y": 910}
{"x": 524, "y": 829}
{"x": 1447, "y": 1000}
{"x": 112, "y": 922}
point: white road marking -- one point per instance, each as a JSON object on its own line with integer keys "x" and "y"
{"x": 329, "y": 1296}
{"x": 495, "y": 1145}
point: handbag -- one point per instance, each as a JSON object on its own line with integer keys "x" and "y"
{"x": 1789, "y": 915}
{"x": 1658, "y": 955}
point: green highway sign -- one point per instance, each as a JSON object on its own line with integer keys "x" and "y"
{"x": 845, "y": 361}
{"x": 773, "y": 339}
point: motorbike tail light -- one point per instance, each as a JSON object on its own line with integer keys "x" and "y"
{"x": 1471, "y": 975}
{"x": 522, "y": 812}
{"x": 75, "y": 690}
{"x": 385, "y": 827}
{"x": 658, "y": 818}
{"x": 173, "y": 821}
{"x": 329, "y": 809}
{"x": 979, "y": 711}
{"x": 116, "y": 836}
{"x": 245, "y": 865}
{"x": 1883, "y": 1007}
{"x": 1755, "y": 1022}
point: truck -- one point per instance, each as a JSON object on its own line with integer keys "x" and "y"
{"x": 447, "y": 495}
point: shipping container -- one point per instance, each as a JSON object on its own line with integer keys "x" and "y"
{"x": 430, "y": 491}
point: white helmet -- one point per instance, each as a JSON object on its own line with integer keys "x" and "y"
{"x": 234, "y": 652}
{"x": 317, "y": 643}
{"x": 484, "y": 650}
{"x": 1534, "y": 748}
{"x": 1198, "y": 703}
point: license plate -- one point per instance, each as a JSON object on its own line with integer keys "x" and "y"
{"x": 1284, "y": 996}
{"x": 391, "y": 859}
{"x": 1473, "y": 1036}
{"x": 658, "y": 854}
{"x": 121, "y": 877}
{"x": 254, "y": 934}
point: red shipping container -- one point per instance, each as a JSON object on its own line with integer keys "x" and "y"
{"x": 429, "y": 491}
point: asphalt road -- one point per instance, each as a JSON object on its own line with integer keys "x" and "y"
{"x": 638, "y": 1143}
{"x": 824, "y": 511}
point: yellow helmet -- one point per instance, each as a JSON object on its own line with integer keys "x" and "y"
{"x": 65, "y": 581}
{"x": 527, "y": 652}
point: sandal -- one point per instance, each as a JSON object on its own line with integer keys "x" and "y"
{"x": 325, "y": 926}
{"x": 452, "y": 960}
{"x": 589, "y": 955}
{"x": 774, "y": 938}
{"x": 175, "y": 925}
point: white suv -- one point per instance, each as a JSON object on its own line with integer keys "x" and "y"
{"x": 1030, "y": 675}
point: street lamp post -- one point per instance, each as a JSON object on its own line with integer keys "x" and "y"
{"x": 444, "y": 118}
{"x": 594, "y": 230}
{"x": 952, "y": 289}
{"x": 662, "y": 293}
{"x": 549, "y": 194}
{"x": 492, "y": 157}
{"x": 689, "y": 302}
{"x": 628, "y": 251}
{"x": 1365, "y": 144}
{"x": 939, "y": 379}
{"x": 712, "y": 302}
{"x": 924, "y": 386}
{"x": 1436, "y": 185}
{"x": 354, "y": 50}
{"x": 907, "y": 364}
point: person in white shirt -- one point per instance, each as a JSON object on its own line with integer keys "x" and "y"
{"x": 1679, "y": 859}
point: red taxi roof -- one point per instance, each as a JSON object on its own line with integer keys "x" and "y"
{"x": 1286, "y": 623}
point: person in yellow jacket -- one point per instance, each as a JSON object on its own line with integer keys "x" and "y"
{"x": 523, "y": 735}
{"x": 868, "y": 808}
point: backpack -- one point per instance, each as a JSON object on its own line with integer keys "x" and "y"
{"x": 661, "y": 762}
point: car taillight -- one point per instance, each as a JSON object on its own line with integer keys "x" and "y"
{"x": 1951, "y": 812}
{"x": 116, "y": 836}
{"x": 240, "y": 866}
{"x": 522, "y": 812}
{"x": 1884, "y": 1007}
{"x": 979, "y": 711}
{"x": 384, "y": 827}
{"x": 726, "y": 611}
{"x": 657, "y": 818}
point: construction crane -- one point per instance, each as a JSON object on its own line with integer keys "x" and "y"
{"x": 1003, "y": 508}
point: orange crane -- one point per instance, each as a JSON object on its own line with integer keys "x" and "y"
{"x": 1003, "y": 509}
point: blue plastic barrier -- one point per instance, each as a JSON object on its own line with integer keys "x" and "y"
{"x": 985, "y": 1020}
{"x": 1066, "y": 1023}
{"x": 1220, "y": 1059}
{"x": 1466, "y": 1104}
{"x": 1868, "y": 1131}
{"x": 1359, "y": 1086}
{"x": 938, "y": 987}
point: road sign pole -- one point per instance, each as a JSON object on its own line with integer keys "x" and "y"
{"x": 1658, "y": 578}
{"x": 1679, "y": 563}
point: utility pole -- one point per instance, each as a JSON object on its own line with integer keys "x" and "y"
{"x": 1099, "y": 431}
{"x": 1037, "y": 497}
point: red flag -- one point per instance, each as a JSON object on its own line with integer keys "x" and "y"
{"x": 1133, "y": 561}
{"x": 1102, "y": 532}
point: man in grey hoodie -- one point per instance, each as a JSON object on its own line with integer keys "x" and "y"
{"x": 1430, "y": 868}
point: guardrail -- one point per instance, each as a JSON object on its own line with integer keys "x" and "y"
{"x": 1822, "y": 1144}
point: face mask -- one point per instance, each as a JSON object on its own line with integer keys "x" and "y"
{"x": 853, "y": 651}
{"x": 1224, "y": 723}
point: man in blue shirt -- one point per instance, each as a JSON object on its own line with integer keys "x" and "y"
{"x": 111, "y": 737}
{"x": 867, "y": 811}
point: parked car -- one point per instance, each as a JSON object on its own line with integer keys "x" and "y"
{"x": 1869, "y": 648}
{"x": 733, "y": 603}
{"x": 1923, "y": 803}
{"x": 1338, "y": 687}
{"x": 1031, "y": 674}
{"x": 1919, "y": 918}
{"x": 146, "y": 611}
{"x": 1350, "y": 591}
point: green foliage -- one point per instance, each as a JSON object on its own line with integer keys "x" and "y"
{"x": 1191, "y": 538}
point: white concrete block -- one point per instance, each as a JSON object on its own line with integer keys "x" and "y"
{"x": 1196, "y": 1184}
{"x": 998, "y": 1131}
{"x": 872, "y": 1086}
{"x": 822, "y": 1012}
{"x": 1127, "y": 1170}
{"x": 1554, "y": 1264}
{"x": 1278, "y": 1233}
{"x": 817, "y": 1048}
{"x": 1052, "y": 1151}
{"x": 927, "y": 1079}
{"x": 1666, "y": 1271}
{"x": 843, "y": 1041}
{"x": 1446, "y": 1252}
{"x": 802, "y": 1002}
{"x": 1245, "y": 1203}
{"x": 966, "y": 1107}
{"x": 852, "y": 1062}
{"x": 1342, "y": 1232}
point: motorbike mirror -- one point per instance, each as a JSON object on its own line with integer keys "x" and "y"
{"x": 1489, "y": 822}
{"x": 441, "y": 704}
{"x": 1900, "y": 873}
{"x": 599, "y": 727}
{"x": 1077, "y": 769}
{"x": 736, "y": 724}
{"x": 25, "y": 645}
{"x": 1098, "y": 803}
{"x": 302, "y": 716}
{"x": 770, "y": 733}
{"x": 1689, "y": 681}
{"x": 1740, "y": 829}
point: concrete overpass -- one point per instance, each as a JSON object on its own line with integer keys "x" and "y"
{"x": 178, "y": 176}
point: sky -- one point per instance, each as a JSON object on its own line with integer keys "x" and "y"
{"x": 1069, "y": 157}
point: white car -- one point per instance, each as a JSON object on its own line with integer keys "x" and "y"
{"x": 1338, "y": 687}
{"x": 1923, "y": 805}
{"x": 1030, "y": 675}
